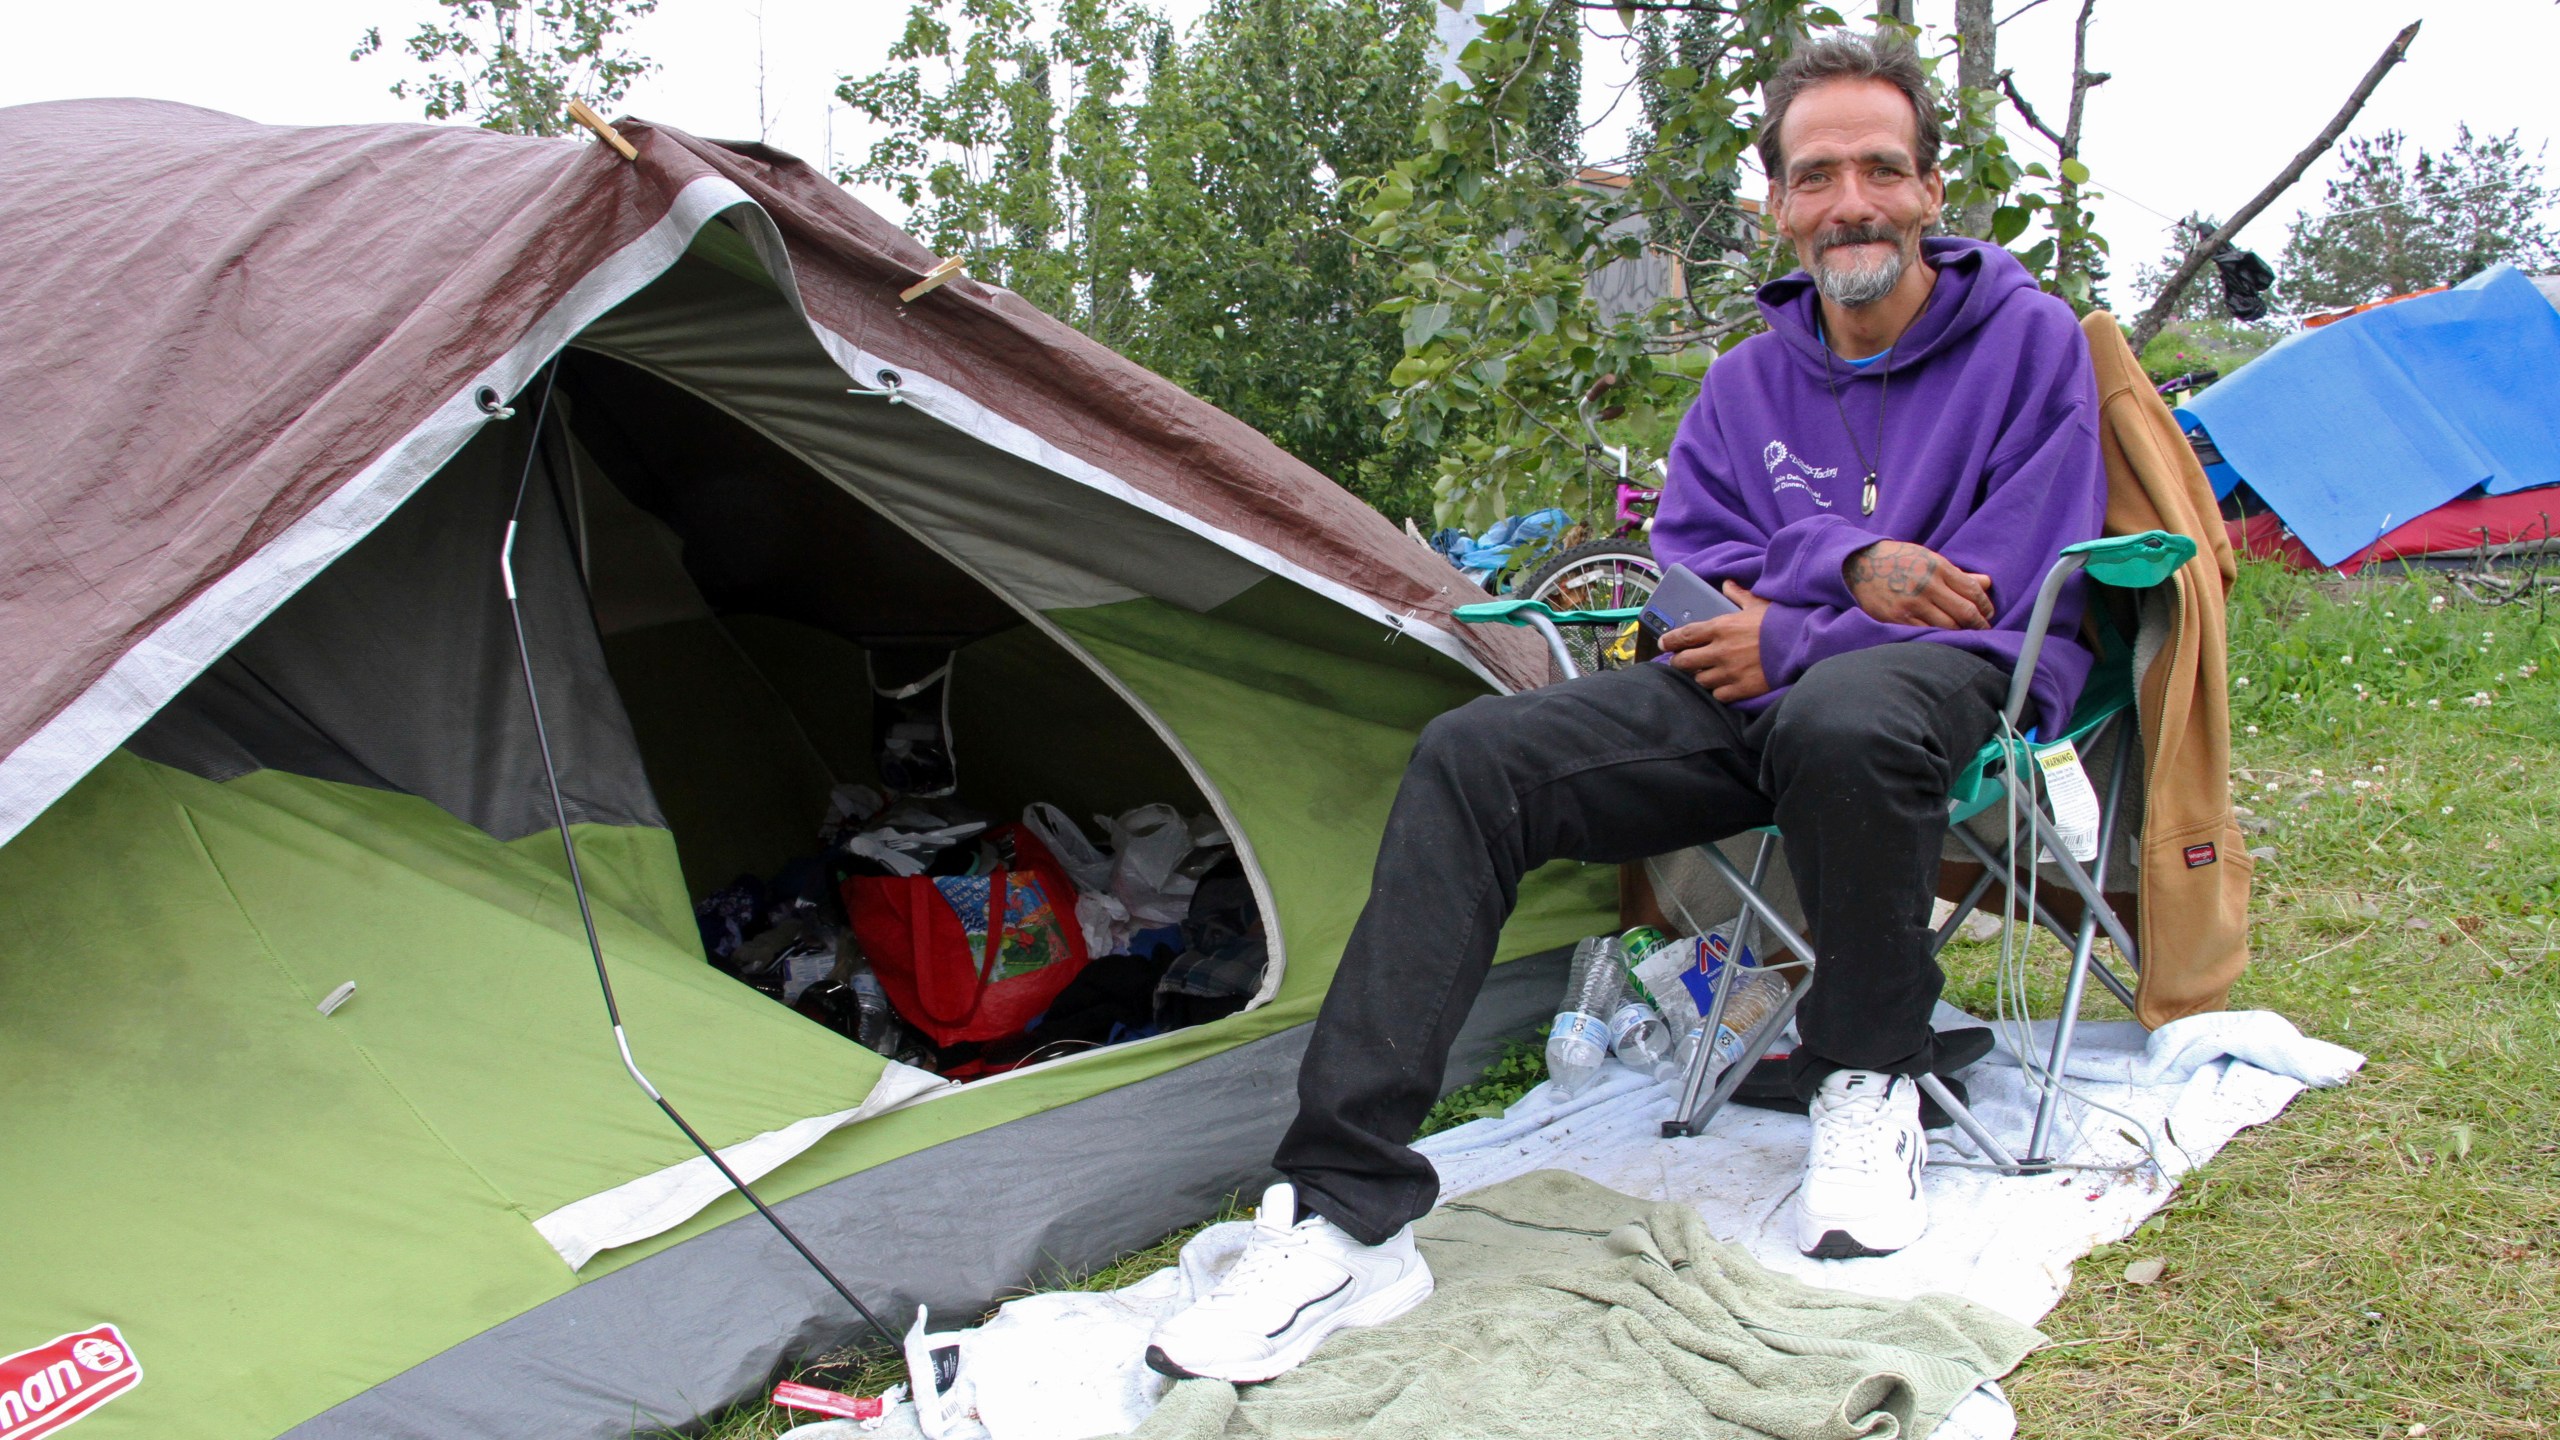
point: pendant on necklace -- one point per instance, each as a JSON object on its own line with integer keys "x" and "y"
{"x": 1867, "y": 497}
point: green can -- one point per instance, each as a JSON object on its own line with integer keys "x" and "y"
{"x": 1640, "y": 942}
{"x": 1632, "y": 948}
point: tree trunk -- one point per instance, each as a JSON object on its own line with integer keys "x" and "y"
{"x": 1977, "y": 65}
{"x": 1898, "y": 11}
{"x": 2166, "y": 302}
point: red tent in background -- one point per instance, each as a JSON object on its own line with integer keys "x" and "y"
{"x": 2462, "y": 527}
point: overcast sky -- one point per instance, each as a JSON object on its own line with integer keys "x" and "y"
{"x": 2210, "y": 96}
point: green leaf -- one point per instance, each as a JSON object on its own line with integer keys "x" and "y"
{"x": 1542, "y": 314}
{"x": 2075, "y": 172}
{"x": 2008, "y": 223}
{"x": 1425, "y": 322}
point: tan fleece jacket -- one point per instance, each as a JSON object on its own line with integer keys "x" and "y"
{"x": 2193, "y": 919}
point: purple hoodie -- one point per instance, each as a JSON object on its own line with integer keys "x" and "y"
{"x": 1989, "y": 457}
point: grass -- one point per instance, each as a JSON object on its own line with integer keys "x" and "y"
{"x": 2185, "y": 346}
{"x": 2388, "y": 1256}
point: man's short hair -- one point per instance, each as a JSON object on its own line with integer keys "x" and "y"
{"x": 1850, "y": 57}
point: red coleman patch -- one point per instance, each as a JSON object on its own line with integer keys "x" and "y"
{"x": 2199, "y": 855}
{"x": 44, "y": 1389}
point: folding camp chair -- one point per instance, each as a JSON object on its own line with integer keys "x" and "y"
{"x": 1997, "y": 773}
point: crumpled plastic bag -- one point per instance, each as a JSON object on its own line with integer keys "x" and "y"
{"x": 1099, "y": 914}
{"x": 1148, "y": 846}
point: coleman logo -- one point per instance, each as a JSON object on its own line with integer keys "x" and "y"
{"x": 2199, "y": 855}
{"x": 44, "y": 1389}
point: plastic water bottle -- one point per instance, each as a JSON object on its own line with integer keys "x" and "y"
{"x": 1757, "y": 994}
{"x": 1639, "y": 1039}
{"x": 1578, "y": 1042}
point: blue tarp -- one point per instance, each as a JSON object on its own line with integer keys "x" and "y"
{"x": 1513, "y": 540}
{"x": 2354, "y": 428}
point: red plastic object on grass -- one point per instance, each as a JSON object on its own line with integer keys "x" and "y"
{"x": 792, "y": 1395}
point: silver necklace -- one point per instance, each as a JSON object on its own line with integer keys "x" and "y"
{"x": 1884, "y": 393}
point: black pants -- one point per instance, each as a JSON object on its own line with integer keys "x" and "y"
{"x": 1852, "y": 765}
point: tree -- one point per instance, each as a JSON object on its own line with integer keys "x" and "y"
{"x": 514, "y": 65}
{"x": 2074, "y": 255}
{"x": 2390, "y": 225}
{"x": 1502, "y": 338}
{"x": 1184, "y": 201}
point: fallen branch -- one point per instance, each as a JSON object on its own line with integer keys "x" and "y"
{"x": 2203, "y": 250}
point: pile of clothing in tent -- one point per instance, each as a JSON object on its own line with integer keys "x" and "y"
{"x": 967, "y": 947}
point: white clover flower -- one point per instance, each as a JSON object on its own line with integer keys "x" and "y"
{"x": 2448, "y": 810}
{"x": 2346, "y": 659}
{"x": 2386, "y": 649}
{"x": 2318, "y": 774}
{"x": 2435, "y": 603}
{"x": 2364, "y": 784}
{"x": 2253, "y": 729}
{"x": 2477, "y": 699}
{"x": 2377, "y": 769}
{"x": 2241, "y": 681}
{"x": 2435, "y": 704}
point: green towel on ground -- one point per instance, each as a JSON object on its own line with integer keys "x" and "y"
{"x": 1567, "y": 1309}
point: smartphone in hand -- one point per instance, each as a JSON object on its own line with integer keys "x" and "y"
{"x": 1681, "y": 599}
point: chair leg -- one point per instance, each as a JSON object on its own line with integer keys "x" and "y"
{"x": 1690, "y": 1116}
{"x": 2046, "y": 917}
{"x": 2049, "y": 1105}
{"x": 1992, "y": 1150}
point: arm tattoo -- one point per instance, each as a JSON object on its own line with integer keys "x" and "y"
{"x": 1905, "y": 570}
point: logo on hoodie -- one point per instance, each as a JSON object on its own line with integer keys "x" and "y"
{"x": 1790, "y": 471}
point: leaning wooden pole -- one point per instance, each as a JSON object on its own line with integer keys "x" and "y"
{"x": 2167, "y": 300}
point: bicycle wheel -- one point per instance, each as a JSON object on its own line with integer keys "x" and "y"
{"x": 1606, "y": 574}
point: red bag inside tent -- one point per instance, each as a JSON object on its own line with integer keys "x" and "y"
{"x": 972, "y": 958}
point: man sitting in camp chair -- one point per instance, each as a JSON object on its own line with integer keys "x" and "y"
{"x": 1880, "y": 482}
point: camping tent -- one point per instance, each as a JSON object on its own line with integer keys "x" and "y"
{"x": 266, "y": 396}
{"x": 2358, "y": 432}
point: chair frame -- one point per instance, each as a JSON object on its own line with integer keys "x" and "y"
{"x": 2129, "y": 562}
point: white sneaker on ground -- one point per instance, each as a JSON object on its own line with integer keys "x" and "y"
{"x": 1861, "y": 1193}
{"x": 1297, "y": 1282}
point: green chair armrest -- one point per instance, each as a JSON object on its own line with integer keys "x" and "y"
{"x": 2134, "y": 562}
{"x": 1517, "y": 611}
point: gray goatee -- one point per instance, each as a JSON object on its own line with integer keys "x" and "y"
{"x": 1855, "y": 285}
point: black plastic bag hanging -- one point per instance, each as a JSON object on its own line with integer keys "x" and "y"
{"x": 2245, "y": 280}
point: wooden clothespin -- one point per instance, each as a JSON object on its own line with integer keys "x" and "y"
{"x": 934, "y": 279}
{"x": 579, "y": 112}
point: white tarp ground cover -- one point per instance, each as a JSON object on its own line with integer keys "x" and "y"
{"x": 1068, "y": 1365}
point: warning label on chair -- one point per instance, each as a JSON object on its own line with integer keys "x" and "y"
{"x": 63, "y": 1380}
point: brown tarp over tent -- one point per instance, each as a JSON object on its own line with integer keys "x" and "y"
{"x": 228, "y": 350}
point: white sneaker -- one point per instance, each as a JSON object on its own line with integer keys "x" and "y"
{"x": 1861, "y": 1193}
{"x": 1297, "y": 1282}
